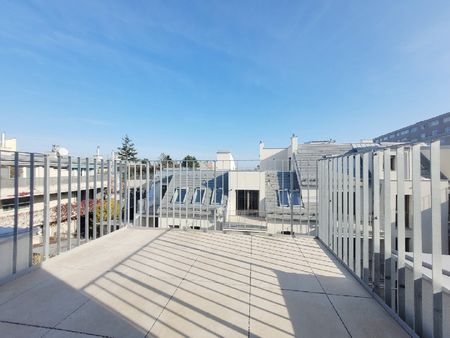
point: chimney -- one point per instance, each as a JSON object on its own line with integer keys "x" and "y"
{"x": 98, "y": 151}
{"x": 3, "y": 140}
{"x": 294, "y": 143}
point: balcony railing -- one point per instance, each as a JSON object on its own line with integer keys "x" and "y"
{"x": 384, "y": 214}
{"x": 51, "y": 204}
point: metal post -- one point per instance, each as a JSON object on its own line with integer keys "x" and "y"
{"x": 140, "y": 194}
{"x": 387, "y": 229}
{"x": 417, "y": 238}
{"x": 78, "y": 201}
{"x": 134, "y": 194}
{"x": 345, "y": 205}
{"x": 358, "y": 215}
{"x": 401, "y": 232}
{"x": 102, "y": 200}
{"x": 108, "y": 198}
{"x": 436, "y": 238}
{"x": 335, "y": 207}
{"x": 366, "y": 217}
{"x": 58, "y": 208}
{"x": 31, "y": 223}
{"x": 16, "y": 210}
{"x": 215, "y": 195}
{"x": 94, "y": 211}
{"x": 154, "y": 194}
{"x": 121, "y": 195}
{"x": 377, "y": 157}
{"x": 86, "y": 204}
{"x": 308, "y": 197}
{"x": 46, "y": 225}
{"x": 351, "y": 218}
{"x": 147, "y": 194}
{"x": 69, "y": 203}
{"x": 339, "y": 199}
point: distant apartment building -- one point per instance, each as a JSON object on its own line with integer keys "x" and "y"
{"x": 437, "y": 127}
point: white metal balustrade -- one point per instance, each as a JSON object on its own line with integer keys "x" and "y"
{"x": 384, "y": 214}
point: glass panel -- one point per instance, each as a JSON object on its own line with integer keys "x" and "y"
{"x": 179, "y": 196}
{"x": 217, "y": 196}
{"x": 295, "y": 198}
{"x": 199, "y": 194}
{"x": 283, "y": 199}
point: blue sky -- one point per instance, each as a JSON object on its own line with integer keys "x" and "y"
{"x": 196, "y": 76}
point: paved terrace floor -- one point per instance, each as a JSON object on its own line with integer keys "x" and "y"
{"x": 154, "y": 283}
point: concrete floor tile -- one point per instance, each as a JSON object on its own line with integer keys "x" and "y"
{"x": 211, "y": 271}
{"x": 210, "y": 309}
{"x": 364, "y": 317}
{"x": 19, "y": 331}
{"x": 46, "y": 304}
{"x": 186, "y": 283}
{"x": 293, "y": 313}
{"x": 115, "y": 319}
{"x": 266, "y": 278}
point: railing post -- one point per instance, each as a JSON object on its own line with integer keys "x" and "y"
{"x": 147, "y": 194}
{"x": 46, "y": 227}
{"x": 86, "y": 204}
{"x": 436, "y": 238}
{"x": 388, "y": 266}
{"x": 58, "y": 207}
{"x": 335, "y": 207}
{"x": 78, "y": 201}
{"x": 358, "y": 215}
{"x": 69, "y": 203}
{"x": 351, "y": 218}
{"x": 401, "y": 231}
{"x": 31, "y": 223}
{"x": 108, "y": 206}
{"x": 102, "y": 205}
{"x": 366, "y": 218}
{"x": 377, "y": 157}
{"x": 16, "y": 211}
{"x": 345, "y": 213}
{"x": 417, "y": 238}
{"x": 94, "y": 211}
{"x": 339, "y": 200}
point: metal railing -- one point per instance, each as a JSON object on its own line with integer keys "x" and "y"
{"x": 217, "y": 195}
{"x": 384, "y": 214}
{"x": 54, "y": 204}
{"x": 50, "y": 204}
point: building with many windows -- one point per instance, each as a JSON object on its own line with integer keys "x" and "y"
{"x": 437, "y": 127}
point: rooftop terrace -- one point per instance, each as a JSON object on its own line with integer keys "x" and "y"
{"x": 161, "y": 283}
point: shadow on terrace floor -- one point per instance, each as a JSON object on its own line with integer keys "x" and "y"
{"x": 137, "y": 283}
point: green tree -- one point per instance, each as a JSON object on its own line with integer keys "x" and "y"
{"x": 166, "y": 160}
{"x": 127, "y": 151}
{"x": 190, "y": 162}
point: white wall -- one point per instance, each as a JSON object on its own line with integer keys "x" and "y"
{"x": 246, "y": 180}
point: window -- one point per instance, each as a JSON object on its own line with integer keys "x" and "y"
{"x": 179, "y": 195}
{"x": 447, "y": 130}
{"x": 217, "y": 196}
{"x": 295, "y": 198}
{"x": 414, "y": 129}
{"x": 199, "y": 195}
{"x": 447, "y": 119}
{"x": 434, "y": 123}
{"x": 393, "y": 162}
{"x": 434, "y": 132}
{"x": 283, "y": 198}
